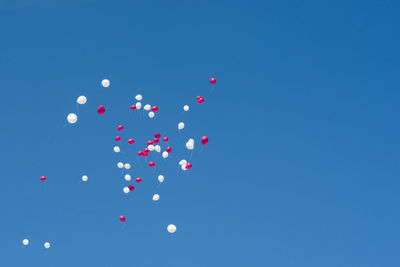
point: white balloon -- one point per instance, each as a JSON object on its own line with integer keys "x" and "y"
{"x": 189, "y": 146}
{"x": 171, "y": 228}
{"x": 139, "y": 97}
{"x": 127, "y": 177}
{"x": 105, "y": 83}
{"x": 156, "y": 197}
{"x": 150, "y": 147}
{"x": 120, "y": 165}
{"x": 183, "y": 167}
{"x": 25, "y": 242}
{"x": 81, "y": 100}
{"x": 72, "y": 118}
{"x": 161, "y": 178}
{"x": 157, "y": 148}
{"x": 151, "y": 114}
{"x": 47, "y": 245}
{"x": 138, "y": 105}
{"x": 182, "y": 162}
{"x": 116, "y": 149}
{"x": 186, "y": 108}
{"x": 191, "y": 141}
{"x": 85, "y": 178}
{"x": 127, "y": 166}
{"x": 126, "y": 190}
{"x": 181, "y": 125}
{"x": 147, "y": 107}
{"x": 165, "y": 154}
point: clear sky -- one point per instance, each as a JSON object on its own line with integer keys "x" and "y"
{"x": 302, "y": 167}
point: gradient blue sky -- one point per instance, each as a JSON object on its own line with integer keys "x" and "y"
{"x": 302, "y": 168}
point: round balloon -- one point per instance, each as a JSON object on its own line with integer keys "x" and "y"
{"x": 188, "y": 166}
{"x": 85, "y": 178}
{"x": 47, "y": 245}
{"x": 161, "y": 178}
{"x": 43, "y": 178}
{"x": 131, "y": 187}
{"x": 157, "y": 148}
{"x": 81, "y": 100}
{"x": 140, "y": 153}
{"x": 131, "y": 141}
{"x": 151, "y": 147}
{"x": 133, "y": 107}
{"x": 165, "y": 139}
{"x": 171, "y": 228}
{"x": 181, "y": 125}
{"x": 105, "y": 83}
{"x": 138, "y": 97}
{"x": 120, "y": 165}
{"x": 186, "y": 108}
{"x": 116, "y": 149}
{"x": 165, "y": 154}
{"x": 101, "y": 110}
{"x": 157, "y": 135}
{"x": 138, "y": 180}
{"x": 122, "y": 218}
{"x": 120, "y": 128}
{"x": 156, "y": 197}
{"x": 152, "y": 164}
{"x": 72, "y": 118}
{"x": 154, "y": 109}
{"x": 201, "y": 101}
{"x": 126, "y": 190}
{"x": 168, "y": 149}
{"x": 147, "y": 107}
{"x": 204, "y": 140}
{"x": 118, "y": 138}
{"x": 156, "y": 140}
{"x": 151, "y": 114}
{"x": 25, "y": 242}
{"x": 127, "y": 177}
{"x": 213, "y": 81}
{"x": 138, "y": 105}
{"x": 127, "y": 166}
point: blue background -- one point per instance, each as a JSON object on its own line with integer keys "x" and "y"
{"x": 302, "y": 167}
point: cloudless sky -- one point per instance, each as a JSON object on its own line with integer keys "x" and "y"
{"x": 302, "y": 167}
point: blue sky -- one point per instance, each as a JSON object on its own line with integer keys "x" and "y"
{"x": 302, "y": 167}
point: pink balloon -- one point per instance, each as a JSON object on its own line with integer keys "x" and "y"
{"x": 140, "y": 153}
{"x": 43, "y": 178}
{"x": 131, "y": 141}
{"x": 146, "y": 150}
{"x": 213, "y": 81}
{"x": 165, "y": 139}
{"x": 149, "y": 142}
{"x": 138, "y": 180}
{"x": 101, "y": 110}
{"x": 154, "y": 109}
{"x": 201, "y": 100}
{"x": 118, "y": 138}
{"x": 120, "y": 127}
{"x": 131, "y": 187}
{"x": 168, "y": 149}
{"x": 198, "y": 97}
{"x": 133, "y": 107}
{"x": 122, "y": 218}
{"x": 156, "y": 140}
{"x": 188, "y": 165}
{"x": 152, "y": 164}
{"x": 157, "y": 135}
{"x": 204, "y": 140}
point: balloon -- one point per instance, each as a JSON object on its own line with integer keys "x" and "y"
{"x": 168, "y": 149}
{"x": 131, "y": 187}
{"x": 181, "y": 125}
{"x": 118, "y": 138}
{"x": 213, "y": 81}
{"x": 85, "y": 178}
{"x": 127, "y": 177}
{"x": 138, "y": 105}
{"x": 43, "y": 178}
{"x": 165, "y": 154}
{"x": 154, "y": 109}
{"x": 120, "y": 128}
{"x": 183, "y": 167}
{"x": 127, "y": 166}
{"x": 122, "y": 218}
{"x": 189, "y": 145}
{"x": 151, "y": 147}
{"x": 120, "y": 165}
{"x": 188, "y": 165}
{"x": 105, "y": 83}
{"x": 204, "y": 140}
{"x": 171, "y": 228}
{"x": 198, "y": 97}
{"x": 161, "y": 178}
{"x": 156, "y": 140}
{"x": 140, "y": 153}
{"x": 182, "y": 162}
{"x": 149, "y": 142}
{"x": 138, "y": 180}
{"x": 47, "y": 245}
{"x": 138, "y": 97}
{"x": 133, "y": 107}
{"x": 126, "y": 190}
{"x": 101, "y": 110}
{"x": 186, "y": 108}
{"x": 152, "y": 164}
{"x": 157, "y": 148}
{"x": 131, "y": 141}
{"x": 151, "y": 114}
{"x": 165, "y": 139}
{"x": 157, "y": 135}
{"x": 116, "y": 149}
{"x": 146, "y": 150}
{"x": 81, "y": 100}
{"x": 201, "y": 101}
{"x": 72, "y": 118}
{"x": 25, "y": 242}
{"x": 147, "y": 107}
{"x": 156, "y": 197}
{"x": 191, "y": 140}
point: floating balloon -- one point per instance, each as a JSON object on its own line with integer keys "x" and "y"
{"x": 118, "y": 138}
{"x": 191, "y": 140}
{"x": 85, "y": 178}
{"x": 165, "y": 139}
{"x": 165, "y": 154}
{"x": 120, "y": 165}
{"x": 127, "y": 166}
{"x": 140, "y": 153}
{"x": 198, "y": 97}
{"x": 183, "y": 167}
{"x": 182, "y": 162}
{"x": 122, "y": 218}
{"x": 156, "y": 140}
{"x": 101, "y": 110}
{"x": 154, "y": 109}
{"x": 47, "y": 245}
{"x": 152, "y": 164}
{"x": 201, "y": 100}
{"x": 171, "y": 228}
{"x": 72, "y": 118}
{"x": 168, "y": 149}
{"x": 204, "y": 140}
{"x": 126, "y": 190}
{"x": 105, "y": 83}
{"x": 147, "y": 107}
{"x": 161, "y": 178}
{"x": 156, "y": 197}
{"x": 146, "y": 151}
{"x": 213, "y": 81}
{"x": 120, "y": 128}
{"x": 181, "y": 125}
{"x": 25, "y": 242}
{"x": 131, "y": 141}
{"x": 81, "y": 100}
{"x": 190, "y": 145}
{"x": 131, "y": 187}
{"x": 157, "y": 135}
{"x": 133, "y": 107}
{"x": 127, "y": 177}
{"x": 116, "y": 149}
{"x": 138, "y": 180}
{"x": 157, "y": 148}
{"x": 149, "y": 142}
{"x": 186, "y": 108}
{"x": 138, "y": 97}
{"x": 43, "y": 178}
{"x": 188, "y": 166}
{"x": 138, "y": 105}
{"x": 151, "y": 147}
{"x": 151, "y": 114}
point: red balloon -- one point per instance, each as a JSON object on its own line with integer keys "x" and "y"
{"x": 188, "y": 165}
{"x": 122, "y": 218}
{"x": 152, "y": 164}
{"x": 149, "y": 142}
{"x": 156, "y": 141}
{"x": 101, "y": 110}
{"x": 131, "y": 141}
{"x": 133, "y": 107}
{"x": 204, "y": 140}
{"x": 165, "y": 139}
{"x": 140, "y": 153}
{"x": 138, "y": 180}
{"x": 157, "y": 135}
{"x": 146, "y": 150}
{"x": 169, "y": 150}
{"x": 213, "y": 81}
{"x": 118, "y": 138}
{"x": 198, "y": 97}
{"x": 201, "y": 100}
{"x": 43, "y": 178}
{"x": 154, "y": 109}
{"x": 131, "y": 187}
{"x": 120, "y": 127}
